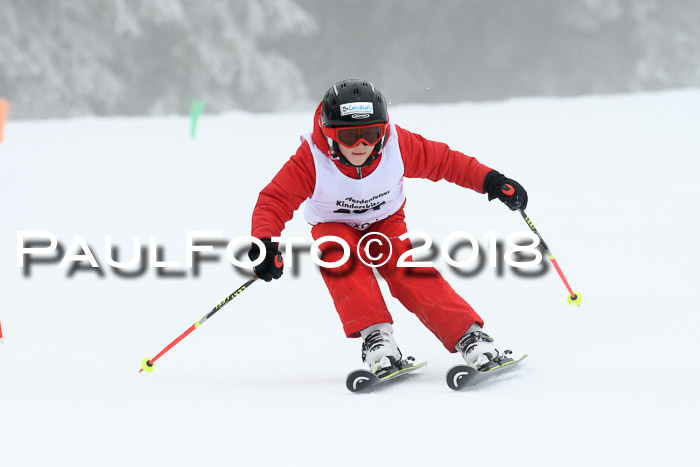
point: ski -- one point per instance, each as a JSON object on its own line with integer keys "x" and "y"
{"x": 463, "y": 376}
{"x": 365, "y": 380}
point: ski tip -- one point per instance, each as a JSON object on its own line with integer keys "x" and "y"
{"x": 360, "y": 380}
{"x": 457, "y": 374}
{"x": 146, "y": 365}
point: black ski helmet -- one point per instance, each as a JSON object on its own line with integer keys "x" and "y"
{"x": 353, "y": 102}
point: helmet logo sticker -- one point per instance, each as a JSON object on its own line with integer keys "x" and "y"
{"x": 360, "y": 116}
{"x": 354, "y": 108}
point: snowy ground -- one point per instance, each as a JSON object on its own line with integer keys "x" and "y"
{"x": 612, "y": 190}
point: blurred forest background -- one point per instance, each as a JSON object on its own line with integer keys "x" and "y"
{"x": 64, "y": 58}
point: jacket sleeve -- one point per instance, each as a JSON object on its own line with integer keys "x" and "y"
{"x": 292, "y": 185}
{"x": 435, "y": 161}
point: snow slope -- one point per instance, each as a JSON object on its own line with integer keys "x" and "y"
{"x": 612, "y": 190}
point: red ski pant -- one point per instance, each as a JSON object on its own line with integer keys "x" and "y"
{"x": 423, "y": 291}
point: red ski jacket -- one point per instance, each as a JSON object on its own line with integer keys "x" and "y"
{"x": 295, "y": 181}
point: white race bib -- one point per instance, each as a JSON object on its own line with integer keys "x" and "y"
{"x": 356, "y": 202}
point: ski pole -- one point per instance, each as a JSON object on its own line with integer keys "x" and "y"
{"x": 574, "y": 298}
{"x": 147, "y": 363}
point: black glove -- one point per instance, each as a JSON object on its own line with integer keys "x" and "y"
{"x": 510, "y": 192}
{"x": 272, "y": 265}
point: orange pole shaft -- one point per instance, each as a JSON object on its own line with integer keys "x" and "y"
{"x": 561, "y": 274}
{"x": 4, "y": 112}
{"x": 201, "y": 321}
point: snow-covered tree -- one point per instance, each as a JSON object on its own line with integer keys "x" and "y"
{"x": 65, "y": 57}
{"x": 68, "y": 57}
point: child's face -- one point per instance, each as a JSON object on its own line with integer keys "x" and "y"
{"x": 357, "y": 155}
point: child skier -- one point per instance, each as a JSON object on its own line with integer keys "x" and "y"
{"x": 350, "y": 172}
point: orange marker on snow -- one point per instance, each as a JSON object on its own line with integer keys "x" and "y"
{"x": 4, "y": 112}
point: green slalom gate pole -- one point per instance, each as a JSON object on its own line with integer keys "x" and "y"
{"x": 147, "y": 363}
{"x": 574, "y": 298}
{"x": 195, "y": 111}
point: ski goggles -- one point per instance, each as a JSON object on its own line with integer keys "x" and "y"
{"x": 352, "y": 136}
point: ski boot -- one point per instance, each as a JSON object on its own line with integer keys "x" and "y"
{"x": 379, "y": 350}
{"x": 479, "y": 351}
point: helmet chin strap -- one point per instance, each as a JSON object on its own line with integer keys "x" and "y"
{"x": 343, "y": 160}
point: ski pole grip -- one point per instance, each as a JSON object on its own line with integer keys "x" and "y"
{"x": 507, "y": 190}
